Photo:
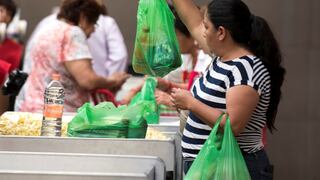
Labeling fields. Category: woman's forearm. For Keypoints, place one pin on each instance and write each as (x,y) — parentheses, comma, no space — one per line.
(189,13)
(206,113)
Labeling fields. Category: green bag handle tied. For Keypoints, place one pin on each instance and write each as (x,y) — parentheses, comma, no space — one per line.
(220,157)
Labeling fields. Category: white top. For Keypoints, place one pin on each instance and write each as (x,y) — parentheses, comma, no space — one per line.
(176,75)
(108,48)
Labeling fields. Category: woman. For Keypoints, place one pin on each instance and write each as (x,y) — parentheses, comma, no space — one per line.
(244,81)
(61,47)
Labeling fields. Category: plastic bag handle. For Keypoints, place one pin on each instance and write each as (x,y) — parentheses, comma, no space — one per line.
(217,124)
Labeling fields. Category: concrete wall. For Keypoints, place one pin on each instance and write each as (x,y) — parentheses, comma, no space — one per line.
(295,147)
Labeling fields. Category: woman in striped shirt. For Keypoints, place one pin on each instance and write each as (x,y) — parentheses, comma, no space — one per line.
(244,81)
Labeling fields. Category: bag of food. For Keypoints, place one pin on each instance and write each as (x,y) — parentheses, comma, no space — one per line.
(146,96)
(107,121)
(156,51)
(219,158)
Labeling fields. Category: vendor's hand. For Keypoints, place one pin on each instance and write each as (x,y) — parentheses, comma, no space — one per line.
(182,99)
(163,98)
(117,80)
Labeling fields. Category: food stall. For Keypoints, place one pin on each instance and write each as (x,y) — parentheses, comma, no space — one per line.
(162,141)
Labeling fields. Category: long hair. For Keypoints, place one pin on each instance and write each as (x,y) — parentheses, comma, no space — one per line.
(253,33)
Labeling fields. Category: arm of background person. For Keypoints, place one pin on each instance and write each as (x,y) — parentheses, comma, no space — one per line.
(83,73)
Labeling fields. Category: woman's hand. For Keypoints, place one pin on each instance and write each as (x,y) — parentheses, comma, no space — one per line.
(163,98)
(182,99)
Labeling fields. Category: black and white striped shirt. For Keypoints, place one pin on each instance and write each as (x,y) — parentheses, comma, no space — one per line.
(211,89)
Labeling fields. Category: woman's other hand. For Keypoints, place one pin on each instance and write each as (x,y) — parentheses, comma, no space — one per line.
(182,99)
(163,98)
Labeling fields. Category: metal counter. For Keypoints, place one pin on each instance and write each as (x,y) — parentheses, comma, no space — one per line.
(164,149)
(34,166)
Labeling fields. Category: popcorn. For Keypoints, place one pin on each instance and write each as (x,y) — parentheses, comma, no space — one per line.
(24,124)
(154,134)
(29,124)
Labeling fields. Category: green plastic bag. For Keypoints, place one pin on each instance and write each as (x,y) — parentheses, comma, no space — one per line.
(107,121)
(146,96)
(220,158)
(156,51)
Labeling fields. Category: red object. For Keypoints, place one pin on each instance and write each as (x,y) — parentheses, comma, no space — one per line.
(103,95)
(4,71)
(192,77)
(11,52)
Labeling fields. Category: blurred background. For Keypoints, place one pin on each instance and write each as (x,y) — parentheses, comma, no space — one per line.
(294,148)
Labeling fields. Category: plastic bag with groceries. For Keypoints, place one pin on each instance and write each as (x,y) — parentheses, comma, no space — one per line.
(156,51)
(220,157)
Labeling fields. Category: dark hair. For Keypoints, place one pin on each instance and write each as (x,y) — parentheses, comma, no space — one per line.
(72,9)
(178,24)
(10,6)
(254,33)
(104,9)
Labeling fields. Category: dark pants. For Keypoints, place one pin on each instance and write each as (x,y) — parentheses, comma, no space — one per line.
(258,165)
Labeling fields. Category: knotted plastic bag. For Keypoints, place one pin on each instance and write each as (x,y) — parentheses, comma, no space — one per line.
(147,97)
(220,158)
(156,51)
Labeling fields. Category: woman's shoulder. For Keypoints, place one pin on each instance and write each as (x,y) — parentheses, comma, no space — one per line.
(106,20)
(74,31)
(245,63)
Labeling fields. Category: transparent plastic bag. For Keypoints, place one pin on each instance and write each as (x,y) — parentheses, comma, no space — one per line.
(146,96)
(156,51)
(107,121)
(220,157)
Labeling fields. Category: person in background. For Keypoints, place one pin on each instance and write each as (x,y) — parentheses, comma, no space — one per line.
(109,53)
(61,47)
(4,72)
(244,80)
(10,51)
(107,46)
(8,9)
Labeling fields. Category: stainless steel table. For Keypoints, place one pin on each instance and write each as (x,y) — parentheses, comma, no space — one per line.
(54,166)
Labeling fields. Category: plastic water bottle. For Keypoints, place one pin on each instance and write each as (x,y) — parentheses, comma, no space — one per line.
(53,108)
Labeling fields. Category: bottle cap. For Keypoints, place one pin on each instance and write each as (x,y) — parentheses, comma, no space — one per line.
(56,77)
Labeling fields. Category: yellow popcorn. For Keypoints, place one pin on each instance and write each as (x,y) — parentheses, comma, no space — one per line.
(29,124)
(24,124)
(154,134)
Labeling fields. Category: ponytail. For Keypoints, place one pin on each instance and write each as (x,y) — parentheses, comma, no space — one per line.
(264,45)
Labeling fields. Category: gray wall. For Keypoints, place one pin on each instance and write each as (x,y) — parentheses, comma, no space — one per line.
(295,147)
